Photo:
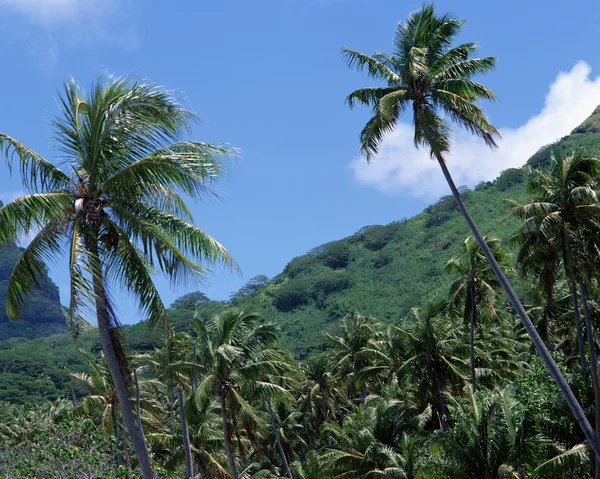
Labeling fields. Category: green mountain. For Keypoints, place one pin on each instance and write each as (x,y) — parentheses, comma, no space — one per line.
(386,270)
(43,313)
(382,271)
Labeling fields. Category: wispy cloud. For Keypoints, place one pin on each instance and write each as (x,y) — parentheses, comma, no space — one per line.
(401,169)
(50,25)
(52,12)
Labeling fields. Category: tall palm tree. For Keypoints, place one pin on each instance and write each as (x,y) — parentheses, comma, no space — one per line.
(475,286)
(563,212)
(115,208)
(354,355)
(241,364)
(428,73)
(434,355)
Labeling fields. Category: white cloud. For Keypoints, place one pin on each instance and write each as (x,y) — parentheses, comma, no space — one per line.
(58,11)
(50,25)
(401,169)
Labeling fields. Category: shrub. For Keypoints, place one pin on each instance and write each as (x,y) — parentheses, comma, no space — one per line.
(441,211)
(508,178)
(329,283)
(292,295)
(383,259)
(376,238)
(336,256)
(299,265)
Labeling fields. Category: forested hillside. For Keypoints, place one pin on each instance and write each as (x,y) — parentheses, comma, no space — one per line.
(382,271)
(386,270)
(42,315)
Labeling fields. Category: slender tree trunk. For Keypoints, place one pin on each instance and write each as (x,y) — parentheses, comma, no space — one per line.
(189,464)
(73,399)
(171,409)
(578,325)
(472,334)
(138,408)
(313,426)
(594,365)
(234,473)
(125,448)
(195,373)
(112,362)
(201,469)
(325,393)
(443,412)
(520,310)
(113,412)
(286,466)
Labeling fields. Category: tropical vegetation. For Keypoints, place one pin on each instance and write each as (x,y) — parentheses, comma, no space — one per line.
(402,351)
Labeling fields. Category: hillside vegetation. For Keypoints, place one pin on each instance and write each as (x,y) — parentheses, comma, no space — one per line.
(382,271)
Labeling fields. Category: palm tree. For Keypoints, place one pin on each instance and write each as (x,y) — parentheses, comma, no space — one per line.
(363,452)
(474,287)
(434,355)
(563,212)
(239,356)
(425,71)
(115,208)
(494,437)
(354,355)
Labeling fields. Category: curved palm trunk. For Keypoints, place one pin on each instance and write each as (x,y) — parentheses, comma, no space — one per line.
(472,335)
(234,473)
(578,325)
(286,466)
(189,464)
(594,365)
(112,362)
(520,310)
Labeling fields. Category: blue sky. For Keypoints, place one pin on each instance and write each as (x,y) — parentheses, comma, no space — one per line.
(267,76)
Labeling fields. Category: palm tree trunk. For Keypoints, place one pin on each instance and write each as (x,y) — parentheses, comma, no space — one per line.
(195,373)
(201,469)
(443,412)
(313,426)
(578,325)
(137,402)
(171,409)
(125,448)
(594,365)
(520,310)
(325,394)
(472,335)
(189,465)
(234,473)
(73,399)
(286,466)
(112,362)
(113,412)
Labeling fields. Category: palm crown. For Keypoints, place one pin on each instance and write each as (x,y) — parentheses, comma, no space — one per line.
(425,71)
(125,169)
